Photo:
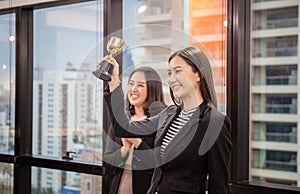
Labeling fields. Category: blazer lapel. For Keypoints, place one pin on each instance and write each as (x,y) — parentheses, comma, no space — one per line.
(183,138)
(162,130)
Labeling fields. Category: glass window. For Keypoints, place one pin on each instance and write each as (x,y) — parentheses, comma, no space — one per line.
(7,83)
(207,27)
(274,92)
(159,27)
(55,181)
(6,178)
(275,75)
(276,18)
(274,131)
(67,108)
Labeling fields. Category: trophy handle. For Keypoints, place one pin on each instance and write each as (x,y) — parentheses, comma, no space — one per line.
(104,71)
(114,46)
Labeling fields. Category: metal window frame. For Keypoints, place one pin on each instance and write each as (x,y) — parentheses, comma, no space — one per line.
(238,91)
(238,80)
(23,159)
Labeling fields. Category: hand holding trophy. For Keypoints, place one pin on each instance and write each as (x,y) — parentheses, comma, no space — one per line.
(114,46)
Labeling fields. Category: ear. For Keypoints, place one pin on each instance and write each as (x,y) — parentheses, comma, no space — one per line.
(198,77)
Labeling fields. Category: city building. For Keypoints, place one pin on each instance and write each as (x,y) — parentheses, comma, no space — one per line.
(275,91)
(52,115)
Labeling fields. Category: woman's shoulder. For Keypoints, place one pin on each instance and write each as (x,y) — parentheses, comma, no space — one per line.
(216,115)
(162,110)
(170,109)
(156,107)
(221,118)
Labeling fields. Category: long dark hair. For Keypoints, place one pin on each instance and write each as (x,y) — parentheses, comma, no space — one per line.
(154,92)
(199,63)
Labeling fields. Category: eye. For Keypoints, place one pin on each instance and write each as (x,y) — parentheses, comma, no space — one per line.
(169,73)
(177,70)
(131,83)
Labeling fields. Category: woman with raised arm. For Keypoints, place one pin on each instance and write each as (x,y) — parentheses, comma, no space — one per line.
(192,142)
(144,90)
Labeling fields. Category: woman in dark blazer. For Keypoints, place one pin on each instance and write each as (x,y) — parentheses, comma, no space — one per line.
(144,88)
(192,142)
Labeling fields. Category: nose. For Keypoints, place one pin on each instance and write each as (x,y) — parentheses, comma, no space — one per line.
(134,87)
(171,78)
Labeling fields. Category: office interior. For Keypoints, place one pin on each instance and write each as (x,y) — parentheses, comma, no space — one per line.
(52,114)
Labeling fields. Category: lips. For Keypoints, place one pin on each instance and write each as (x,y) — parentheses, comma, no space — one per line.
(175,87)
(134,96)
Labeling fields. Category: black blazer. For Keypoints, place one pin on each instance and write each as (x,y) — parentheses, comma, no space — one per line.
(141,175)
(202,147)
(141,179)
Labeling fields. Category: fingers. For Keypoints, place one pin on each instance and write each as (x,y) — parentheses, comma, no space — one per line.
(135,141)
(109,59)
(132,140)
(126,143)
(99,62)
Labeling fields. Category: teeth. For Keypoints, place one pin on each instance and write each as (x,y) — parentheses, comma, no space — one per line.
(134,96)
(175,87)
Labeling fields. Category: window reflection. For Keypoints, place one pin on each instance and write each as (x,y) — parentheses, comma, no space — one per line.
(158,27)
(67,103)
(274,131)
(275,103)
(275,75)
(61,182)
(207,26)
(6,178)
(276,47)
(7,83)
(276,18)
(274,120)
(275,160)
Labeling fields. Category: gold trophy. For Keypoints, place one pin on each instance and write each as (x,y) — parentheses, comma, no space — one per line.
(114,46)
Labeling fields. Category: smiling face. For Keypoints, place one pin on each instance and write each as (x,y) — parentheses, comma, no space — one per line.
(183,81)
(137,89)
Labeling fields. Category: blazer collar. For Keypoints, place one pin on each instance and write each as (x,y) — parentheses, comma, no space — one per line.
(162,129)
(184,136)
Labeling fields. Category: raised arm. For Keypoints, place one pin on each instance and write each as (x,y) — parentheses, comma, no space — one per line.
(114,98)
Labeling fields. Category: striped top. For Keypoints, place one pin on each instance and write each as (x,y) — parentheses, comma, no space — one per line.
(175,127)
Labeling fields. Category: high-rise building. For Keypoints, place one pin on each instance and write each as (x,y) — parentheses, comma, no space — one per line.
(164,28)
(207,29)
(274,117)
(158,31)
(64,119)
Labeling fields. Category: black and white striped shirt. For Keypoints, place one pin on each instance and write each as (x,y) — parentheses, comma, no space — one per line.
(175,127)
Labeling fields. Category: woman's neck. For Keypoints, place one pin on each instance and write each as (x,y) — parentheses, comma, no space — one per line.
(192,102)
(139,113)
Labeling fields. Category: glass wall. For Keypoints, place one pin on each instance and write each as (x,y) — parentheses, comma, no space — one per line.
(7,83)
(67,109)
(6,178)
(66,114)
(65,182)
(274,92)
(156,28)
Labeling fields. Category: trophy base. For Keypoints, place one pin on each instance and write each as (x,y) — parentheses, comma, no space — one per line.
(102,75)
(104,72)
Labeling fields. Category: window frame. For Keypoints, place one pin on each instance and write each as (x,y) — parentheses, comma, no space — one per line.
(238,90)
(238,79)
(22,158)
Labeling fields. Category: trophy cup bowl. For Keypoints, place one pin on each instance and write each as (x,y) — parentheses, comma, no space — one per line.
(114,46)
